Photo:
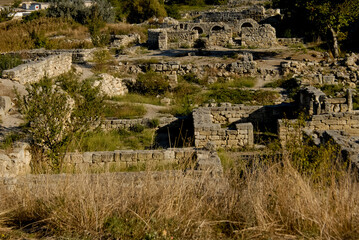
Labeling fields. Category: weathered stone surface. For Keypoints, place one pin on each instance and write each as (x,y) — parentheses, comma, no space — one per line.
(111,86)
(5,105)
(51,66)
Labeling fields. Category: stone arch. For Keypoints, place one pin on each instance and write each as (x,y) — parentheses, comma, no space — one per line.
(248,22)
(199,29)
(217,28)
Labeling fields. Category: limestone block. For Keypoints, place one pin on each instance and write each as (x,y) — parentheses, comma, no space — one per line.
(5,104)
(87,157)
(144,155)
(158,155)
(169,154)
(128,156)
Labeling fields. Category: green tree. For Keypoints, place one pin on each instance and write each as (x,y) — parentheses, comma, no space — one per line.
(56,113)
(333,16)
(142,10)
(321,17)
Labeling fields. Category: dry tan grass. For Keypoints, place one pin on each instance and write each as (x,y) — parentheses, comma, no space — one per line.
(268,201)
(16,35)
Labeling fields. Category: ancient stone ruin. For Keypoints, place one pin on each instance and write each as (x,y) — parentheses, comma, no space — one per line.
(219,29)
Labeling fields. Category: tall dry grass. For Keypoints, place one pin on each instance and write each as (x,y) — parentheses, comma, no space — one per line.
(16,35)
(271,200)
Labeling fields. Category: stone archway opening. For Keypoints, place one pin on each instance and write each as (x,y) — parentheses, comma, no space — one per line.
(199,30)
(247,24)
(217,29)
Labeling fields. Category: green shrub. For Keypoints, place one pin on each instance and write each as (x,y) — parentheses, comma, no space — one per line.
(8,61)
(153,123)
(55,113)
(191,78)
(137,128)
(151,83)
(332,89)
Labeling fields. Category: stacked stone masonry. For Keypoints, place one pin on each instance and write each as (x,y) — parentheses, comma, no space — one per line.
(207,126)
(51,66)
(114,124)
(123,159)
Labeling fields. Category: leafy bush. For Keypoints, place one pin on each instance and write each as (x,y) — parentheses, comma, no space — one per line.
(8,61)
(137,128)
(332,89)
(151,83)
(55,113)
(191,78)
(153,123)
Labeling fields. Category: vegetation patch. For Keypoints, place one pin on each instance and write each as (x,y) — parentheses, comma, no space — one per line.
(123,111)
(137,139)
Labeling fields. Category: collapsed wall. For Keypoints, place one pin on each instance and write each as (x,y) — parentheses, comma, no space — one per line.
(51,66)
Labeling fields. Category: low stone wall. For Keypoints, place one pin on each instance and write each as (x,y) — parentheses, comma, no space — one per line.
(227,115)
(51,66)
(124,159)
(79,56)
(119,41)
(345,122)
(207,127)
(348,122)
(114,124)
(290,41)
(245,65)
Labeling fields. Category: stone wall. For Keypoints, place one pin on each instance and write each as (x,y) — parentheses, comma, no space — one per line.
(78,55)
(51,66)
(124,159)
(244,65)
(15,162)
(325,70)
(315,102)
(114,124)
(207,126)
(258,13)
(290,41)
(181,38)
(263,36)
(119,41)
(345,122)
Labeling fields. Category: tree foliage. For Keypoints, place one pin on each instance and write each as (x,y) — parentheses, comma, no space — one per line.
(56,112)
(326,18)
(76,10)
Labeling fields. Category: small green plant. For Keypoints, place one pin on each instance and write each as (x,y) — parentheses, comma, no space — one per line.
(151,84)
(153,123)
(137,128)
(9,140)
(8,61)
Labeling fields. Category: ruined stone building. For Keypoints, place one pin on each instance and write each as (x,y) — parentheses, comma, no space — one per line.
(225,28)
